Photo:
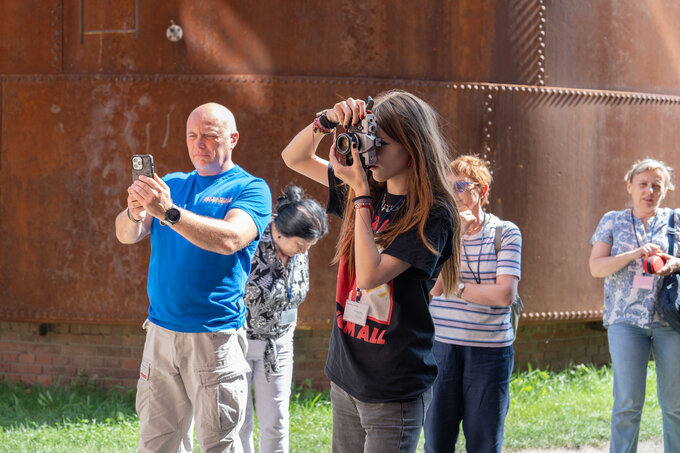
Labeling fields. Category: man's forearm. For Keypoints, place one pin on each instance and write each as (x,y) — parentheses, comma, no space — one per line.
(215,235)
(129,232)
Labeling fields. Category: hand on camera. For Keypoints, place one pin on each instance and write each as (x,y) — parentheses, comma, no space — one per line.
(354,175)
(347,112)
(152,194)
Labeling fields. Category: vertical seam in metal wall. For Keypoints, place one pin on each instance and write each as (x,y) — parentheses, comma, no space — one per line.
(542,22)
(488,124)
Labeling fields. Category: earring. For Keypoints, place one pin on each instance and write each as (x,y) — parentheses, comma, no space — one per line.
(409,163)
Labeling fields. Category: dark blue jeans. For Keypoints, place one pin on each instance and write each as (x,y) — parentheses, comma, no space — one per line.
(473,387)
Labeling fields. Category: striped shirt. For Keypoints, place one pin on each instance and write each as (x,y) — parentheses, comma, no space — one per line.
(461,322)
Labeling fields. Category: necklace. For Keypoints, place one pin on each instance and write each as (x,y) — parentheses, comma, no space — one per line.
(387,207)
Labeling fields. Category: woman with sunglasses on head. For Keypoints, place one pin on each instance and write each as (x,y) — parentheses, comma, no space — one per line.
(278,283)
(397,234)
(633,321)
(473,332)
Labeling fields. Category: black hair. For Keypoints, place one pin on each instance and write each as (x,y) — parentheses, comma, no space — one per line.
(299,216)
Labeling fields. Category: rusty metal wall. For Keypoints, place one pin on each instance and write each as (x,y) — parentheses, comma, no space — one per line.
(561,98)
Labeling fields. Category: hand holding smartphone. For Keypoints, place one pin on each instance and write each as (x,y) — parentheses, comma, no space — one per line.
(142,164)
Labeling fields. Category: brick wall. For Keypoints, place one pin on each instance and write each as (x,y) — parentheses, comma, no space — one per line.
(311,349)
(44,353)
(556,345)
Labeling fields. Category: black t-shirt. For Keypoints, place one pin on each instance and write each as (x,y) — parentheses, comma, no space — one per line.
(390,358)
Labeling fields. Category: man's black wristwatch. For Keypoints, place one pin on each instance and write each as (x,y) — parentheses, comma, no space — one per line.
(172,216)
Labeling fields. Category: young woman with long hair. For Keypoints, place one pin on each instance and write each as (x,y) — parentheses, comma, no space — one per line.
(399,230)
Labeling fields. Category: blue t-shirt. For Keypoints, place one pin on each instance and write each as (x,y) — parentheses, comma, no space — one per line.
(191,289)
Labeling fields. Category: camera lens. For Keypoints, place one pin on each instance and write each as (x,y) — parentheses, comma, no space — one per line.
(137,163)
(343,143)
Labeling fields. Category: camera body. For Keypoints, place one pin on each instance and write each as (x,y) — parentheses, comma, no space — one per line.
(363,137)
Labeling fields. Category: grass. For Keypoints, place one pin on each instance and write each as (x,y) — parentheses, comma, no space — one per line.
(79,418)
(548,409)
(570,409)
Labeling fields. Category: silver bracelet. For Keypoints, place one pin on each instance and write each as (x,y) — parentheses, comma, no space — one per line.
(132,218)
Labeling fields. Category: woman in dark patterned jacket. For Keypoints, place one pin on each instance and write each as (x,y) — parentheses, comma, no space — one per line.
(278,283)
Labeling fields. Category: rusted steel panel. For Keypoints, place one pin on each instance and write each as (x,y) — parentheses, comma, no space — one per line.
(559,164)
(614,45)
(558,154)
(61,260)
(558,159)
(431,39)
(30,36)
(611,44)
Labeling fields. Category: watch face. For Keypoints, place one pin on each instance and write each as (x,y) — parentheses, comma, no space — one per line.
(172,214)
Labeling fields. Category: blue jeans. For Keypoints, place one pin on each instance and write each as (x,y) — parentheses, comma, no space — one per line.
(473,387)
(629,348)
(360,427)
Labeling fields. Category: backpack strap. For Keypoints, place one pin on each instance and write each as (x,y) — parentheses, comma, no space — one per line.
(497,239)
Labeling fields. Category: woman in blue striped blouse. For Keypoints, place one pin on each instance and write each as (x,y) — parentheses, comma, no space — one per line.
(473,333)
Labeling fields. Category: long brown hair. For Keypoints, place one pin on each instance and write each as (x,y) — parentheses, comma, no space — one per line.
(414,124)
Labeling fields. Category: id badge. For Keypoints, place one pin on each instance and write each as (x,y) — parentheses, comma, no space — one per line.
(289,316)
(355,312)
(643,282)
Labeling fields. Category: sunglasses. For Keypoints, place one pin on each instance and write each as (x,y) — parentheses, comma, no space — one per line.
(462,186)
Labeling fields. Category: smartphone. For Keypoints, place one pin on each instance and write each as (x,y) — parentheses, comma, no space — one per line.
(142,164)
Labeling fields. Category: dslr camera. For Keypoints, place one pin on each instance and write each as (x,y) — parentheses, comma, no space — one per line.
(362,137)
